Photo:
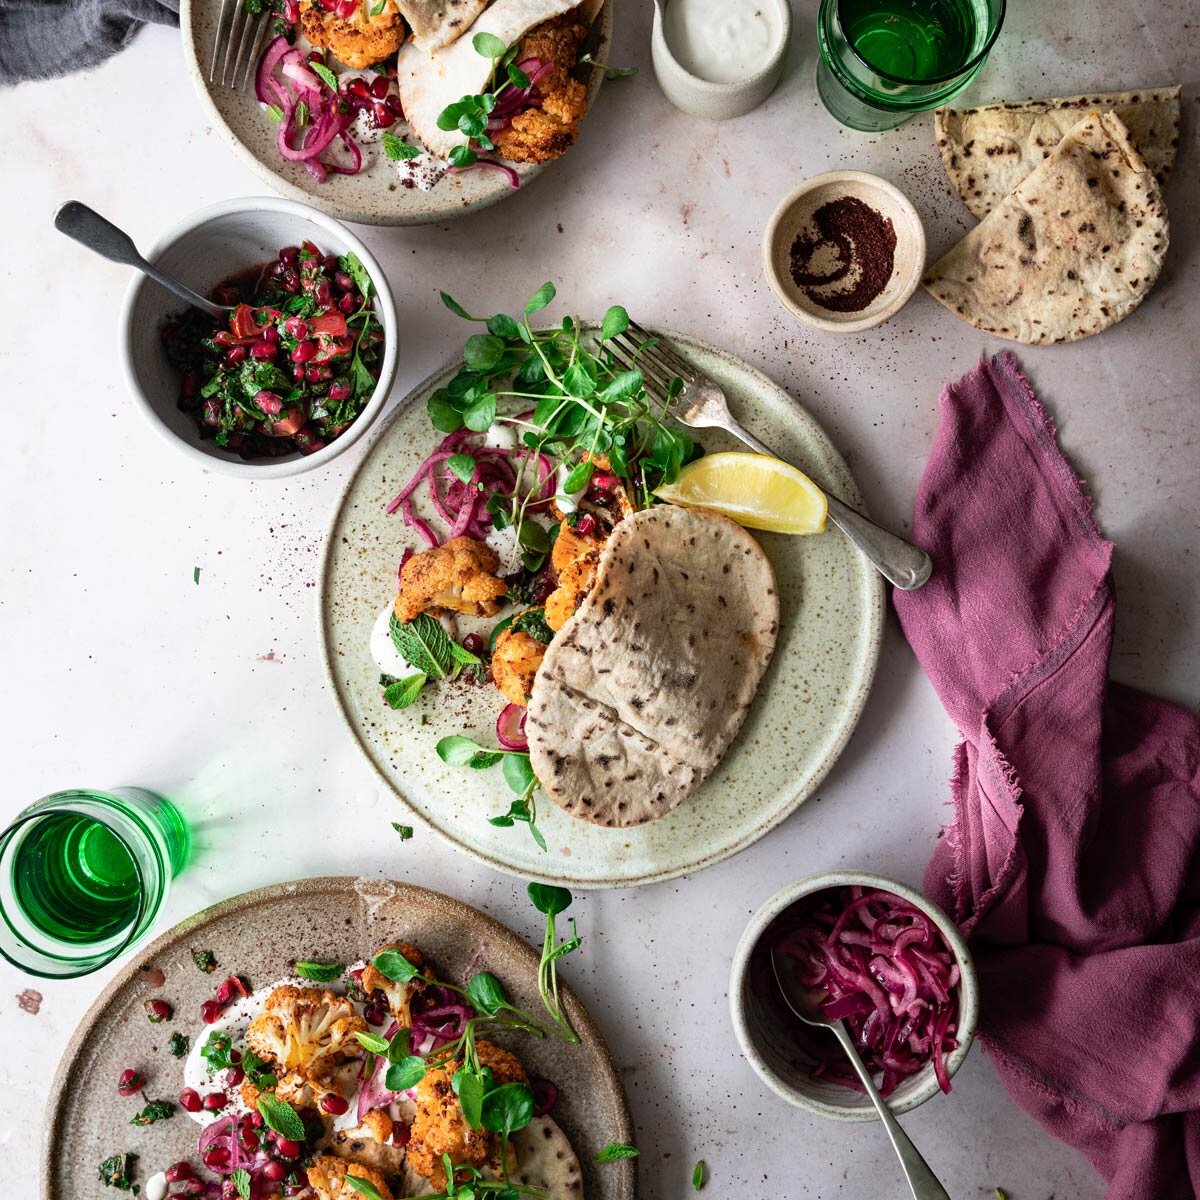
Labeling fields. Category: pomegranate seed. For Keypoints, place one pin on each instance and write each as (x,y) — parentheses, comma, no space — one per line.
(343,281)
(256,1120)
(358,87)
(330,263)
(298,371)
(374,1014)
(229,1190)
(210,1011)
(235,1057)
(294,327)
(379,87)
(286,1148)
(348,303)
(339,391)
(235,355)
(384,117)
(234,1076)
(216,1158)
(308,1114)
(393,102)
(401,1133)
(262,350)
(189,1100)
(473,642)
(269,402)
(289,280)
(334,1104)
(274,1171)
(585,525)
(303,351)
(270,334)
(316,56)
(249,1139)
(215,1101)
(323,294)
(130,1082)
(178,1172)
(310,249)
(192,1187)
(289,254)
(157,1011)
(346,9)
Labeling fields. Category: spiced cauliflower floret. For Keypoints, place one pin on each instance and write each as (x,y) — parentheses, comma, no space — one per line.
(371,33)
(306,1031)
(439,1126)
(291,1086)
(327,1177)
(371,1144)
(400,996)
(459,576)
(516,657)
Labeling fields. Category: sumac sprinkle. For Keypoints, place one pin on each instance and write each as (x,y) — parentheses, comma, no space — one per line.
(850,241)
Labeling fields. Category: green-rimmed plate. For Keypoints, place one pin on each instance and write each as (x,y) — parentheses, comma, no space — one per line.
(831,623)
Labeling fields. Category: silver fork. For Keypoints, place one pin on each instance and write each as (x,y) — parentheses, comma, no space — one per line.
(239,39)
(701,403)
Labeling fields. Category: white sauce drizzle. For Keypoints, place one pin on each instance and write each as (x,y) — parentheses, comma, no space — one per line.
(722,41)
(383,650)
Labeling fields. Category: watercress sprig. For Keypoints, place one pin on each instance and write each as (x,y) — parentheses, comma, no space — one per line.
(553,900)
(470,114)
(458,750)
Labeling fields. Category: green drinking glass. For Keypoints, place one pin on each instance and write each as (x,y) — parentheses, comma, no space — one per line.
(883,61)
(83,874)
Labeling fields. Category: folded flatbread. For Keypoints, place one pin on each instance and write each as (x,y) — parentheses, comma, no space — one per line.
(437,23)
(645,686)
(988,151)
(1074,249)
(428,83)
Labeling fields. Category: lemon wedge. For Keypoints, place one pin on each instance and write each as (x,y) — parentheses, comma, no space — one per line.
(752,489)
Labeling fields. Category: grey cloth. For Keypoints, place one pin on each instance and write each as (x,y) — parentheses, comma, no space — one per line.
(40,39)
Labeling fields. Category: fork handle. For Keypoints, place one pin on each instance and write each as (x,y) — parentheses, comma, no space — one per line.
(899,562)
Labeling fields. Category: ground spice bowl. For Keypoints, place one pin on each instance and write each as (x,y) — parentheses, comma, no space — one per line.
(794,215)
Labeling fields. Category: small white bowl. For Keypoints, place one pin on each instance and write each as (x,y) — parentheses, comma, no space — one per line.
(203,250)
(767,1030)
(719,101)
(795,213)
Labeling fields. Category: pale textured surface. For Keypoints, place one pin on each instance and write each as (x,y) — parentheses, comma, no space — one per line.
(118,668)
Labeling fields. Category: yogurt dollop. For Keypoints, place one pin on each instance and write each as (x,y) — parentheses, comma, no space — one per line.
(722,41)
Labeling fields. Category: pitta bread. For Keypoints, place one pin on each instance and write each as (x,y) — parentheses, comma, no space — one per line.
(988,151)
(428,83)
(1074,249)
(437,23)
(643,689)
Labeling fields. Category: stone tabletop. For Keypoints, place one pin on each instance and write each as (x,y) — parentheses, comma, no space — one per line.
(119,669)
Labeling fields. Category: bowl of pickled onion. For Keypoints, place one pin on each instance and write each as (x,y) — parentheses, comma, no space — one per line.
(888,962)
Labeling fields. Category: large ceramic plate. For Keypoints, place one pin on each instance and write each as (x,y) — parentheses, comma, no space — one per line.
(374,196)
(259,934)
(807,706)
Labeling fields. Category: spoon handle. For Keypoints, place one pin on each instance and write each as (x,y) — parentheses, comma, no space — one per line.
(921,1179)
(90,229)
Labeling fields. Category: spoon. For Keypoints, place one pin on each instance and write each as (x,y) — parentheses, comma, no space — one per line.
(90,229)
(805,1003)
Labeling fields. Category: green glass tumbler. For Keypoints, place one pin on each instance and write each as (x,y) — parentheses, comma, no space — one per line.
(83,875)
(884,61)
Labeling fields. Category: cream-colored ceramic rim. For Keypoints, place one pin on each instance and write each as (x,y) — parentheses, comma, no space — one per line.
(916,254)
(785,898)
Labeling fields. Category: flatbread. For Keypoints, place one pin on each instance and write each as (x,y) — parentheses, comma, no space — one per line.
(546,1160)
(643,689)
(1074,249)
(437,23)
(988,151)
(427,84)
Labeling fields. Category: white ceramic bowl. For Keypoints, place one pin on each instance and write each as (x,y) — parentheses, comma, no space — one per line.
(202,251)
(767,1031)
(795,213)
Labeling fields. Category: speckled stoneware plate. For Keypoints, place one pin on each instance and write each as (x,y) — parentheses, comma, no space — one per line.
(809,701)
(375,195)
(259,934)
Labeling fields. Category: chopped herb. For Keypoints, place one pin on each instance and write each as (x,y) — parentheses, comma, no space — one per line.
(533,622)
(258,1071)
(610,72)
(325,73)
(196,575)
(401,693)
(372,1042)
(216,1051)
(378,8)
(241,1181)
(179,1044)
(155,1110)
(205,960)
(700,1174)
(117,1172)
(405,831)
(280,1116)
(364,1187)
(318,972)
(615,1151)
(397,149)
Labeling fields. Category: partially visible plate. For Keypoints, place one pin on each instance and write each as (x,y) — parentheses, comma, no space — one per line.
(259,934)
(831,625)
(375,195)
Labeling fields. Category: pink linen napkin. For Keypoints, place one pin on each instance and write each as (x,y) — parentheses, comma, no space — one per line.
(1071,858)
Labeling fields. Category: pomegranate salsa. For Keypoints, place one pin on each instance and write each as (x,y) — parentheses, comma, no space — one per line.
(295,363)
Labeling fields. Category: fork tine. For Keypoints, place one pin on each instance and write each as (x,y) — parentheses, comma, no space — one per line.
(628,360)
(235,32)
(640,360)
(666,352)
(251,41)
(223,19)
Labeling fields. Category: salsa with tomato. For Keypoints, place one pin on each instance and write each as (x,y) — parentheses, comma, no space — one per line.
(294,365)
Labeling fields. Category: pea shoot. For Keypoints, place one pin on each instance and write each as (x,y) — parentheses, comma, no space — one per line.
(552,901)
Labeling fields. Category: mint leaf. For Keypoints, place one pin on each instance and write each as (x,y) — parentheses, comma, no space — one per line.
(327,75)
(280,1116)
(372,1042)
(404,692)
(425,644)
(241,1181)
(318,972)
(615,1151)
(397,149)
